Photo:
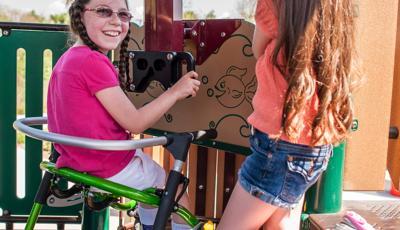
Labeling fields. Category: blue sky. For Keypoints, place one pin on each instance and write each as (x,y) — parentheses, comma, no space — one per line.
(223,8)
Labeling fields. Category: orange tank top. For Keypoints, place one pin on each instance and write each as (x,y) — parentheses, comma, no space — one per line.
(268,101)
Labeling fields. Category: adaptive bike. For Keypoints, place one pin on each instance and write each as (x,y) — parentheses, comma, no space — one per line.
(108,193)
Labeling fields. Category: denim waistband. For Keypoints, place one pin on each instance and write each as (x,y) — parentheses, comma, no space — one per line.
(321,150)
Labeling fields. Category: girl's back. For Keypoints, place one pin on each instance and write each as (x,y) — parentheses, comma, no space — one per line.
(269,99)
(74,110)
(310,61)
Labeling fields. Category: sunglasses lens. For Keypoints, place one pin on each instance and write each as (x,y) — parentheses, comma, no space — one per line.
(124,16)
(104,12)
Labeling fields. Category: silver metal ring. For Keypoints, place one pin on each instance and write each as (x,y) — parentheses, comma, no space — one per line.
(23,125)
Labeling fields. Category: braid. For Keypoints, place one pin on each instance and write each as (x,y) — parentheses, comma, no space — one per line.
(123,64)
(77,27)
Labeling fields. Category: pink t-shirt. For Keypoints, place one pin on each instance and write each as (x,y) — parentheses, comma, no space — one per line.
(73,109)
(269,98)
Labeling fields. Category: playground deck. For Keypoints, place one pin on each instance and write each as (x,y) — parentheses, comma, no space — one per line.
(379,208)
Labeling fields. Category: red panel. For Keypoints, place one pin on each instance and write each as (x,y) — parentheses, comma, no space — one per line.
(163,25)
(165,30)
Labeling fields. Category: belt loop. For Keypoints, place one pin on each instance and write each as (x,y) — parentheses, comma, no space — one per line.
(273,144)
(320,149)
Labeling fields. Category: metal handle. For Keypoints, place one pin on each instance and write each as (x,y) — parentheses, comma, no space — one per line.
(188,57)
(24,124)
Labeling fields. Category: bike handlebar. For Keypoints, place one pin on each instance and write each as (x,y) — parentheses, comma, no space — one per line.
(24,124)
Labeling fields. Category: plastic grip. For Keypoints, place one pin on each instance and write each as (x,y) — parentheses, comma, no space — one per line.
(167,200)
(204,134)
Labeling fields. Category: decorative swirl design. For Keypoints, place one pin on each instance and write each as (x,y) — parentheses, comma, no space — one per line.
(246,49)
(244,129)
(168,117)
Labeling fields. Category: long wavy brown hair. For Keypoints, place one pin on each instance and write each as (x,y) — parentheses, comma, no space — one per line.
(78,29)
(316,38)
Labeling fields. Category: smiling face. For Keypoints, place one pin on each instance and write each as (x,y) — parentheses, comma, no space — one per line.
(106,32)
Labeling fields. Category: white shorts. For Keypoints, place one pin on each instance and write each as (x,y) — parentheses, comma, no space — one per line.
(141,173)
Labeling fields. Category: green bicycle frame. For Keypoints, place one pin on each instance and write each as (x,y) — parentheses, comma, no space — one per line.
(147,196)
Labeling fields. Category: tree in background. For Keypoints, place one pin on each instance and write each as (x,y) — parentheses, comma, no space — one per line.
(211,15)
(190,15)
(32,16)
(14,15)
(3,15)
(9,15)
(246,9)
(59,18)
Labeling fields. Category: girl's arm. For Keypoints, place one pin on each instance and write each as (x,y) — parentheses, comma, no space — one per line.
(260,42)
(137,120)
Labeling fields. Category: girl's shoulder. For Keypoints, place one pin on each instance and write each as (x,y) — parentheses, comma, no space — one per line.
(85,52)
(84,57)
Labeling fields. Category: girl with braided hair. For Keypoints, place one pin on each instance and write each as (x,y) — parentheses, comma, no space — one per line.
(306,71)
(85,99)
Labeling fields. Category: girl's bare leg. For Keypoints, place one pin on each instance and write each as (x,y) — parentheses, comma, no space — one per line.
(245,211)
(284,218)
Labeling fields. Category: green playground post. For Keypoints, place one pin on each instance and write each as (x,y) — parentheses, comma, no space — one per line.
(325,196)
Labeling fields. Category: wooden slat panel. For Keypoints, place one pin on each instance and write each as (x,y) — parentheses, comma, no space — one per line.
(201,184)
(192,172)
(211,182)
(220,183)
(229,176)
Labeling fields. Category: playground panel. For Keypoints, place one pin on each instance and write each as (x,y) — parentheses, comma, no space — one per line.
(34,43)
(366,150)
(393,160)
(224,99)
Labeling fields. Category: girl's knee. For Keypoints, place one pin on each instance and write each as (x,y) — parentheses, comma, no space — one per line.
(282,220)
(274,225)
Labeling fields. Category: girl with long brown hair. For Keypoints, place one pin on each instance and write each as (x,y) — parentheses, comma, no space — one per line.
(306,72)
(85,99)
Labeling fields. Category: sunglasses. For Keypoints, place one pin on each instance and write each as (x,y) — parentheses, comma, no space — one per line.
(106,12)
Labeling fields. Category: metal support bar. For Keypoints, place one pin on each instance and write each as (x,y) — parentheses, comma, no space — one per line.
(42,219)
(32,26)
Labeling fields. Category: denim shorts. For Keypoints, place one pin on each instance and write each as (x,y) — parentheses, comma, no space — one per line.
(279,172)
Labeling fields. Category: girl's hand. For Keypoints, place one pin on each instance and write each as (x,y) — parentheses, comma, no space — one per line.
(188,85)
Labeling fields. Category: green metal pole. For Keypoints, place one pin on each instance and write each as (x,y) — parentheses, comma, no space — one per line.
(30,224)
(95,220)
(325,196)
